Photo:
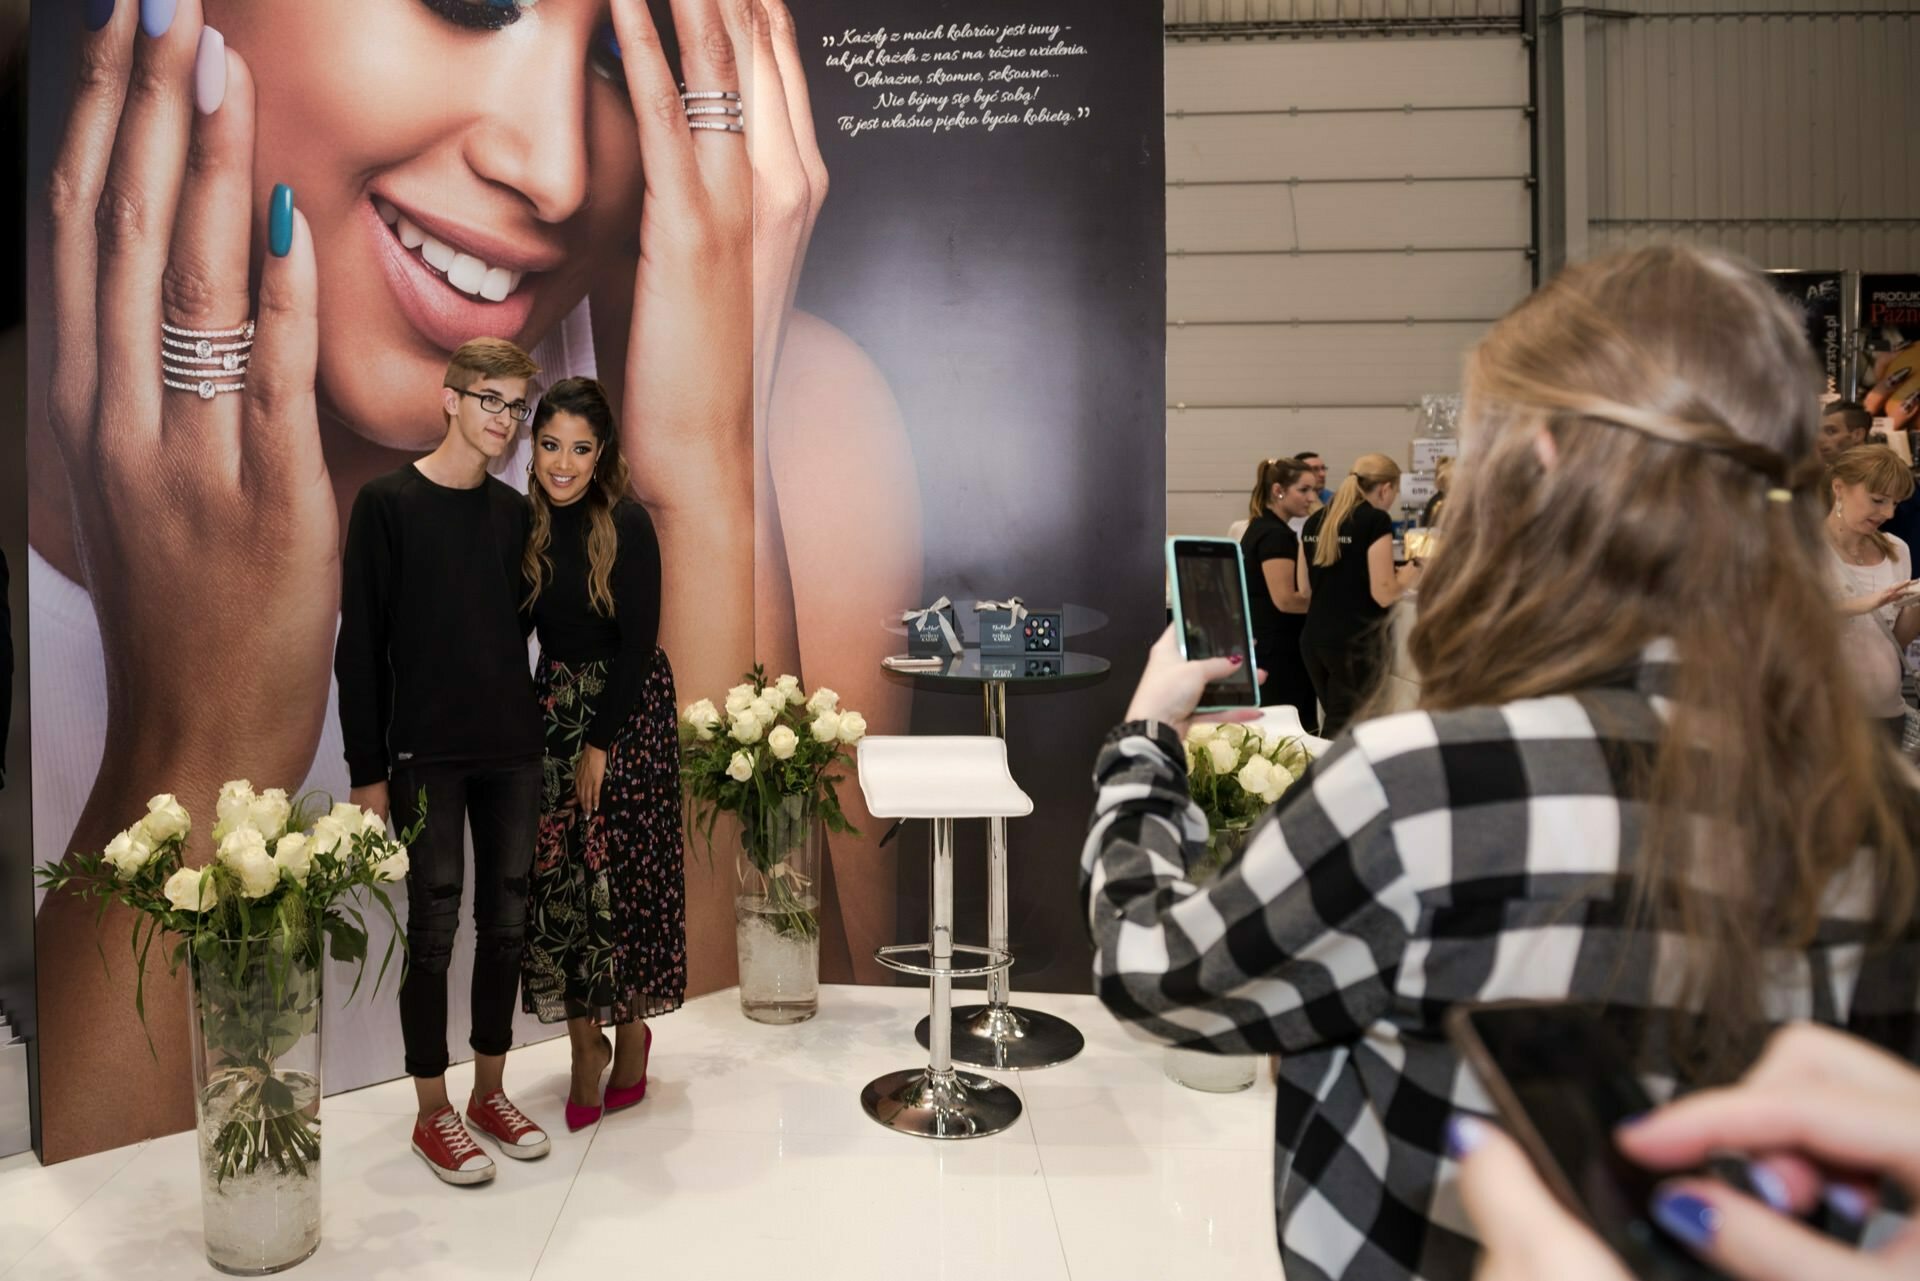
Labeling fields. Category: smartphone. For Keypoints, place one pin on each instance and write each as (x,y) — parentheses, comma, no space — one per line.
(1211,617)
(1562,1083)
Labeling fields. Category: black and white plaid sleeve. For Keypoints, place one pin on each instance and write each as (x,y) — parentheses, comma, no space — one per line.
(1295,945)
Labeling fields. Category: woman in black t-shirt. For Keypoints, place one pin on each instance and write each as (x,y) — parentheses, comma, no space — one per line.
(1283,490)
(1350,582)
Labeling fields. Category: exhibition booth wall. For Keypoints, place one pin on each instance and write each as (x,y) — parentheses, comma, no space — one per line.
(978,334)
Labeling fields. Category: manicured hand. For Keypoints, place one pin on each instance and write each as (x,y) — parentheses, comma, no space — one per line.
(588,774)
(1526,1233)
(1171,687)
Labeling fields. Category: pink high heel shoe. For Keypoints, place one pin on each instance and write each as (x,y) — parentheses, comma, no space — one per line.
(581,1115)
(622,1097)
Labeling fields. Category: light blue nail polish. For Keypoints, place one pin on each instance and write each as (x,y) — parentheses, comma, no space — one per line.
(1687,1218)
(1770,1186)
(280,221)
(156,16)
(1464,1134)
(1849,1203)
(99,14)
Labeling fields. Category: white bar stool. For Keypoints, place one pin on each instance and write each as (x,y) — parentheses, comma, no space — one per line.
(941,779)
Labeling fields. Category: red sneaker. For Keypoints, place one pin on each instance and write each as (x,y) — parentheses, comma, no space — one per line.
(444,1144)
(508,1127)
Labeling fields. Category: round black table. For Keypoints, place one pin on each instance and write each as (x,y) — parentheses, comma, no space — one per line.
(999,1034)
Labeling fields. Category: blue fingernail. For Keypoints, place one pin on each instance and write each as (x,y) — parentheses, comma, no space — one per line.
(1464,1134)
(99,14)
(1848,1202)
(156,16)
(280,221)
(1686,1217)
(1771,1187)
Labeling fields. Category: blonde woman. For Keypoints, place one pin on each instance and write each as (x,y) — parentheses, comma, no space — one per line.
(1872,571)
(1346,571)
(1638,777)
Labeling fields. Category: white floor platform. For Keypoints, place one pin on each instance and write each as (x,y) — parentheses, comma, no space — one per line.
(750,1159)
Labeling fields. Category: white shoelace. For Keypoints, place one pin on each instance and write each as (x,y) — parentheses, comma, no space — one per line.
(460,1143)
(516,1120)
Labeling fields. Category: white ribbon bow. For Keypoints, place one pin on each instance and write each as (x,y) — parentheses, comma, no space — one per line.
(918,618)
(1012,604)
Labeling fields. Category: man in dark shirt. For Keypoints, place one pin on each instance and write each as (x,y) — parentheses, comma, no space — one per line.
(436,700)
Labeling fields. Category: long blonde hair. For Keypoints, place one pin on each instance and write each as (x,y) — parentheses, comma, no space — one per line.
(1637,467)
(1370,471)
(586,399)
(1880,471)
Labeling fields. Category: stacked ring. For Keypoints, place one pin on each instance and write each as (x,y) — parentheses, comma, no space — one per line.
(716,110)
(196,360)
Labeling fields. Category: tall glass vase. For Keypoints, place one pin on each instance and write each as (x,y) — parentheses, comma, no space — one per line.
(256,1069)
(1197,1069)
(776,912)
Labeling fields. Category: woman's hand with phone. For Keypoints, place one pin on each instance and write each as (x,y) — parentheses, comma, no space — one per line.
(1171,687)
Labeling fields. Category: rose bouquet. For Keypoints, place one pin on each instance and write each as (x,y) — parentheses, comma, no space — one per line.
(768,758)
(287,880)
(1233,774)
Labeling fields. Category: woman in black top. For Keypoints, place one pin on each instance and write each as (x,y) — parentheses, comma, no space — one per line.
(606,918)
(1283,490)
(1350,583)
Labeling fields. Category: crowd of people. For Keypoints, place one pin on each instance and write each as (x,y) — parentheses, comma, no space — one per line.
(1646,774)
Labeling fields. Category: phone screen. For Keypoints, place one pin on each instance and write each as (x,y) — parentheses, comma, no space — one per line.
(1210,587)
(1563,1083)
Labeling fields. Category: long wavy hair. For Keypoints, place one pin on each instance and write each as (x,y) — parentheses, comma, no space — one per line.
(586,399)
(1370,471)
(1637,467)
(1272,471)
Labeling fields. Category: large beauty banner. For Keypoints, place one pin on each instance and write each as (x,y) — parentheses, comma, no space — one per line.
(945,378)
(1890,347)
(1816,296)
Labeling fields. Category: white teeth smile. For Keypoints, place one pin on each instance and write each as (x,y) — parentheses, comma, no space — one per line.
(464,272)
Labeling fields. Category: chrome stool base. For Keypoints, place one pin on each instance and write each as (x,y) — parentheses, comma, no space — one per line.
(1005,1038)
(940,1105)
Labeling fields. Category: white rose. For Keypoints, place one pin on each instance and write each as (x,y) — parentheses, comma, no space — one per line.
(740,768)
(826,727)
(1235,734)
(347,816)
(823,700)
(244,852)
(1198,734)
(746,729)
(789,688)
(704,718)
(394,867)
(293,855)
(782,742)
(739,699)
(766,710)
(1188,748)
(269,812)
(189,890)
(328,836)
(166,818)
(1223,755)
(1280,781)
(130,851)
(853,727)
(230,810)
(372,822)
(1256,776)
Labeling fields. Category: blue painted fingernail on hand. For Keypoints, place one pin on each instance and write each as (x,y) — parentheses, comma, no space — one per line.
(1464,1134)
(280,221)
(1687,1217)
(1771,1187)
(156,16)
(99,14)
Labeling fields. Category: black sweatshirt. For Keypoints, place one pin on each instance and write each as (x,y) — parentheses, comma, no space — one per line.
(572,632)
(432,655)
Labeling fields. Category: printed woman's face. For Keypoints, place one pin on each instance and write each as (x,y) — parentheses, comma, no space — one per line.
(462,177)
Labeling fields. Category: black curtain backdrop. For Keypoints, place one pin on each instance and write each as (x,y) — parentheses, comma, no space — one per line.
(1011,286)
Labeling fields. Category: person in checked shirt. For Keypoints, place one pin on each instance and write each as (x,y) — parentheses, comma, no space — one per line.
(1637,777)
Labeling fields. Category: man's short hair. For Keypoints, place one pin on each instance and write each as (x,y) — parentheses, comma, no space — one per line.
(1852,414)
(1307,457)
(479,358)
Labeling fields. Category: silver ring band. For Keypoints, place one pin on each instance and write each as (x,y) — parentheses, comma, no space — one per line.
(206,389)
(204,348)
(708,95)
(238,331)
(232,360)
(715,125)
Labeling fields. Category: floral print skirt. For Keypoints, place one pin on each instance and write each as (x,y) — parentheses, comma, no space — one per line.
(606,912)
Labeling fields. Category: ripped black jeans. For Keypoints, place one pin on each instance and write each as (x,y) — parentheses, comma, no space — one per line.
(502,804)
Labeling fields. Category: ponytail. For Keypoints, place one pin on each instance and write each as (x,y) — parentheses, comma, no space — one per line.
(1272,471)
(1370,471)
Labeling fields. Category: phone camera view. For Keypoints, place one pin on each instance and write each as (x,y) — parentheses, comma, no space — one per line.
(1213,616)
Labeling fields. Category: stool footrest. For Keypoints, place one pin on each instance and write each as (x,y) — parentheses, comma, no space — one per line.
(997,961)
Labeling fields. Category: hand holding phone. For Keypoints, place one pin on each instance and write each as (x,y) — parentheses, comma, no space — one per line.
(1211,618)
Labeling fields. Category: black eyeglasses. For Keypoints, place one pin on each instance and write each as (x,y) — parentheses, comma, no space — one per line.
(518,410)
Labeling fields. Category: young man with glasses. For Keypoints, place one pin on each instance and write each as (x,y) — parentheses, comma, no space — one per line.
(436,700)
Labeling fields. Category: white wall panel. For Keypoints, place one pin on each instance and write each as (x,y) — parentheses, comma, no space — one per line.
(1344,379)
